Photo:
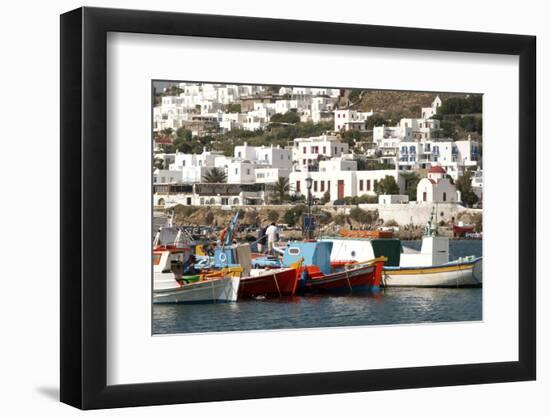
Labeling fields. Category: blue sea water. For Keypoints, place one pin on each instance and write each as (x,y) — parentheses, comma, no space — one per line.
(390,306)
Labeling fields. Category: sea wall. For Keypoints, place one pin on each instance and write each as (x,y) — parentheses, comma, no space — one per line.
(416,213)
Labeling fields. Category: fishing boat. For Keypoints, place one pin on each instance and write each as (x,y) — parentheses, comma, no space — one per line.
(464,272)
(429,267)
(460,229)
(270,282)
(171,286)
(318,276)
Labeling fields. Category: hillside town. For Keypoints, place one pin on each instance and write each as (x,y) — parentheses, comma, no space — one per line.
(400,167)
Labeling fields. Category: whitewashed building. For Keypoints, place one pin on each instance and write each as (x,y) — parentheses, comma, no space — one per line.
(436,188)
(340,183)
(347,119)
(306,152)
(428,112)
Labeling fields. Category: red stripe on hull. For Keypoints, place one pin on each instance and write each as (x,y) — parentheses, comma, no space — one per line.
(276,284)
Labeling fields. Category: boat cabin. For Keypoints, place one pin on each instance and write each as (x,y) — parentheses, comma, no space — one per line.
(312,253)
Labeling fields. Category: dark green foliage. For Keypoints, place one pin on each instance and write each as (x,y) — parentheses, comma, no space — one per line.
(464,185)
(292,215)
(411,182)
(297,198)
(376,120)
(288,117)
(354,95)
(183,133)
(460,105)
(324,217)
(326,197)
(386,186)
(372,165)
(360,215)
(281,189)
(215,175)
(233,108)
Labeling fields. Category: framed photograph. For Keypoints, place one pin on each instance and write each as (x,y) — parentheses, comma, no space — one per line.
(257,208)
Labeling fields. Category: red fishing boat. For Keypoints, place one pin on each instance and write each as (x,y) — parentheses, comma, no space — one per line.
(459,230)
(353,278)
(270,283)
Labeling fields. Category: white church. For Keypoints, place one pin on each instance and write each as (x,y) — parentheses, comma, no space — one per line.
(437,188)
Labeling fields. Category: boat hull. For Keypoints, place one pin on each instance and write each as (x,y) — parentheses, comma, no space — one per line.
(270,283)
(357,280)
(451,275)
(221,290)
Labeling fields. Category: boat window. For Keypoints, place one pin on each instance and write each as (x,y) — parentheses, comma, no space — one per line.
(156,258)
(353,254)
(294,251)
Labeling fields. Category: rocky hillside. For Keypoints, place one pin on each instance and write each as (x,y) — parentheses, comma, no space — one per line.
(398,104)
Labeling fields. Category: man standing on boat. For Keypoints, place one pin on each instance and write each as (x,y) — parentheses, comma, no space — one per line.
(272,233)
(262,239)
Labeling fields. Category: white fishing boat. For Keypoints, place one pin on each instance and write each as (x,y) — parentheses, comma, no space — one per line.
(171,285)
(465,272)
(429,267)
(221,290)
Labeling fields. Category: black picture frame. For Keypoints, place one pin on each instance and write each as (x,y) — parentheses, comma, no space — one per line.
(84,207)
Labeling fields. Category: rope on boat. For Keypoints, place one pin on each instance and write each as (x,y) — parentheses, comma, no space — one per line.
(277,284)
(347,279)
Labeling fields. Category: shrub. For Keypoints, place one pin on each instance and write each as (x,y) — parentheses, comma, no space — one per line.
(293,214)
(340,219)
(272,215)
(326,197)
(391,223)
(367,199)
(324,217)
(360,215)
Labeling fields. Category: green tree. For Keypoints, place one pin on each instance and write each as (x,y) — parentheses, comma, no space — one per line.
(234,108)
(464,185)
(158,163)
(289,117)
(326,197)
(281,189)
(355,94)
(215,175)
(292,215)
(183,133)
(167,132)
(411,182)
(376,120)
(462,105)
(387,185)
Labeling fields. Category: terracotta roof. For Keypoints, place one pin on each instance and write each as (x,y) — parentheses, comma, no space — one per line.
(437,170)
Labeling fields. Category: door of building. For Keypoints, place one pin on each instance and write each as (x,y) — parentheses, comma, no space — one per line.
(340,189)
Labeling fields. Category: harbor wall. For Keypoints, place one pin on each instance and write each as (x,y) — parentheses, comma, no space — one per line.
(417,213)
